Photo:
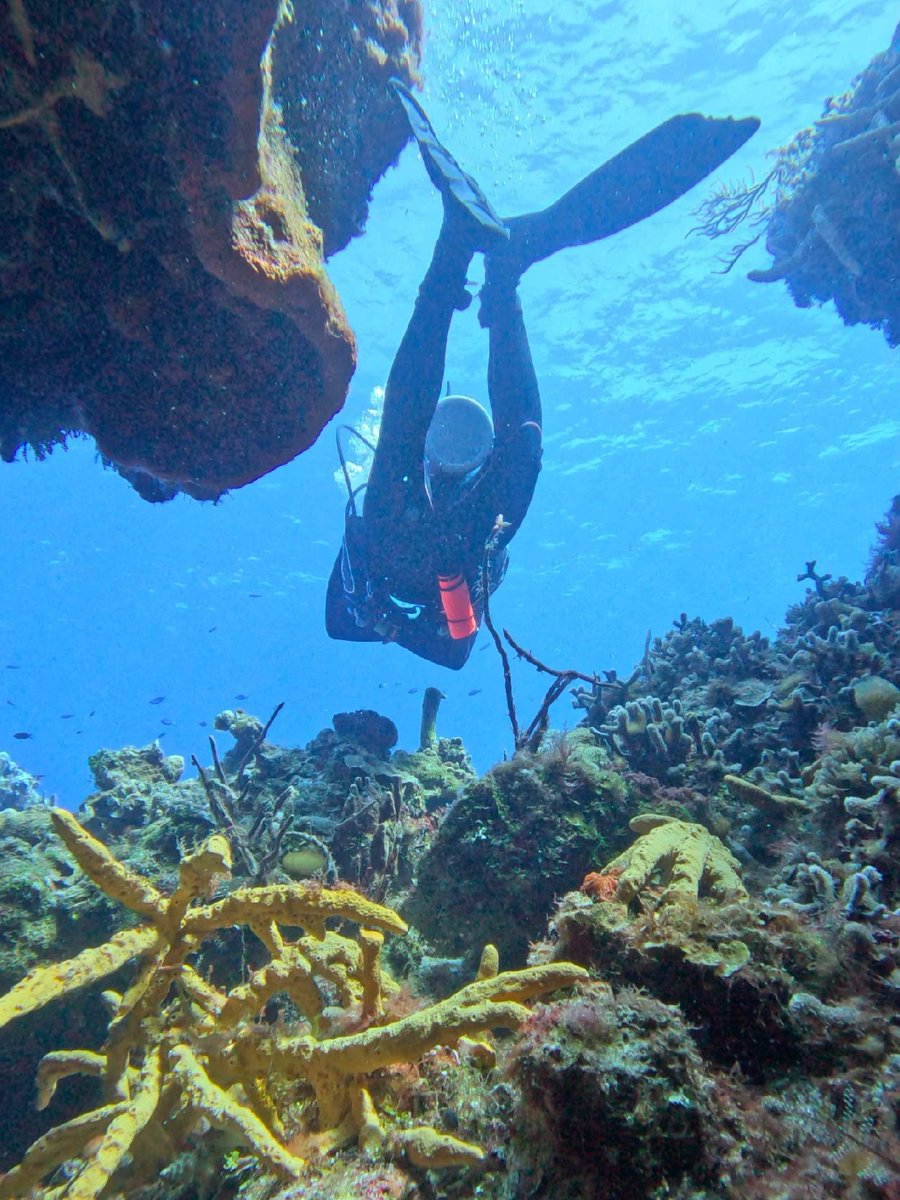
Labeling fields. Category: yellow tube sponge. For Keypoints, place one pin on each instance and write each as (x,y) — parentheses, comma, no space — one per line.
(194,877)
(208,999)
(298,904)
(56,1147)
(687,858)
(427,1148)
(182,1052)
(489,964)
(331,1064)
(44,984)
(116,880)
(248,998)
(222,1111)
(337,959)
(60,1064)
(371,941)
(121,1131)
(370,1135)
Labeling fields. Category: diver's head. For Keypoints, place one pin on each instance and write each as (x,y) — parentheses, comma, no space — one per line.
(459,439)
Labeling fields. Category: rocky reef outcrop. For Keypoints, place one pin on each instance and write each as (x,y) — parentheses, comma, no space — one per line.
(834,232)
(175,176)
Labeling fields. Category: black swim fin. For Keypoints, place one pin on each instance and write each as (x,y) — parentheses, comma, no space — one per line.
(642,179)
(461,194)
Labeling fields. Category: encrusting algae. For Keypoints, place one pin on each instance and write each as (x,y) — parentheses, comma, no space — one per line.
(180,1051)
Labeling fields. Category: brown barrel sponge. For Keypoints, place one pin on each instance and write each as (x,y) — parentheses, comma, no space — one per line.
(176,176)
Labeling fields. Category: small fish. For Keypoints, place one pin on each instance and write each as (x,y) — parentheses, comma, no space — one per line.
(475,692)
(202,724)
(156,700)
(167,721)
(23,736)
(412,691)
(241,696)
(14,666)
(66,716)
(212,629)
(91,713)
(11,703)
(254,595)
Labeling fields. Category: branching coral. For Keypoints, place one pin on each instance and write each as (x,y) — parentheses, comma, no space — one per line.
(181,1051)
(256,826)
(659,739)
(747,202)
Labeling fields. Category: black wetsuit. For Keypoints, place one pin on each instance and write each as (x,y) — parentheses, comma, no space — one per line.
(409,534)
(384,586)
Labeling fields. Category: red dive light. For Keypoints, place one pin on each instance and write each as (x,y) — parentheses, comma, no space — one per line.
(457,606)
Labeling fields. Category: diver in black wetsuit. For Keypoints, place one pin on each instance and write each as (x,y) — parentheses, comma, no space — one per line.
(444,484)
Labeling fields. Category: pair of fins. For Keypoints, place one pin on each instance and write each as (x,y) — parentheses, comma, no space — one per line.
(642,179)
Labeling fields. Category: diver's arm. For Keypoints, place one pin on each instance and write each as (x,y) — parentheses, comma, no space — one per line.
(509,483)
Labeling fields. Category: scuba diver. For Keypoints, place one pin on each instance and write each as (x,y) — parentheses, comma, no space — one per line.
(450,485)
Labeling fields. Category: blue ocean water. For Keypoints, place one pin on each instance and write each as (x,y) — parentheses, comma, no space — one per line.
(703,438)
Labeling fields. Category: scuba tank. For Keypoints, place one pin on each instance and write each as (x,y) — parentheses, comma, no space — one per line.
(457,605)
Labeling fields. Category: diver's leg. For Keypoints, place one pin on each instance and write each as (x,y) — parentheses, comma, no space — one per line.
(642,179)
(515,401)
(414,383)
(512,382)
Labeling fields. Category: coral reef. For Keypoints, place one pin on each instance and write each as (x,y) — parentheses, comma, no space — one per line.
(33,922)
(526,831)
(657,738)
(781,993)
(614,1101)
(738,1038)
(349,812)
(616,1096)
(179,1047)
(752,738)
(365,812)
(179,174)
(18,789)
